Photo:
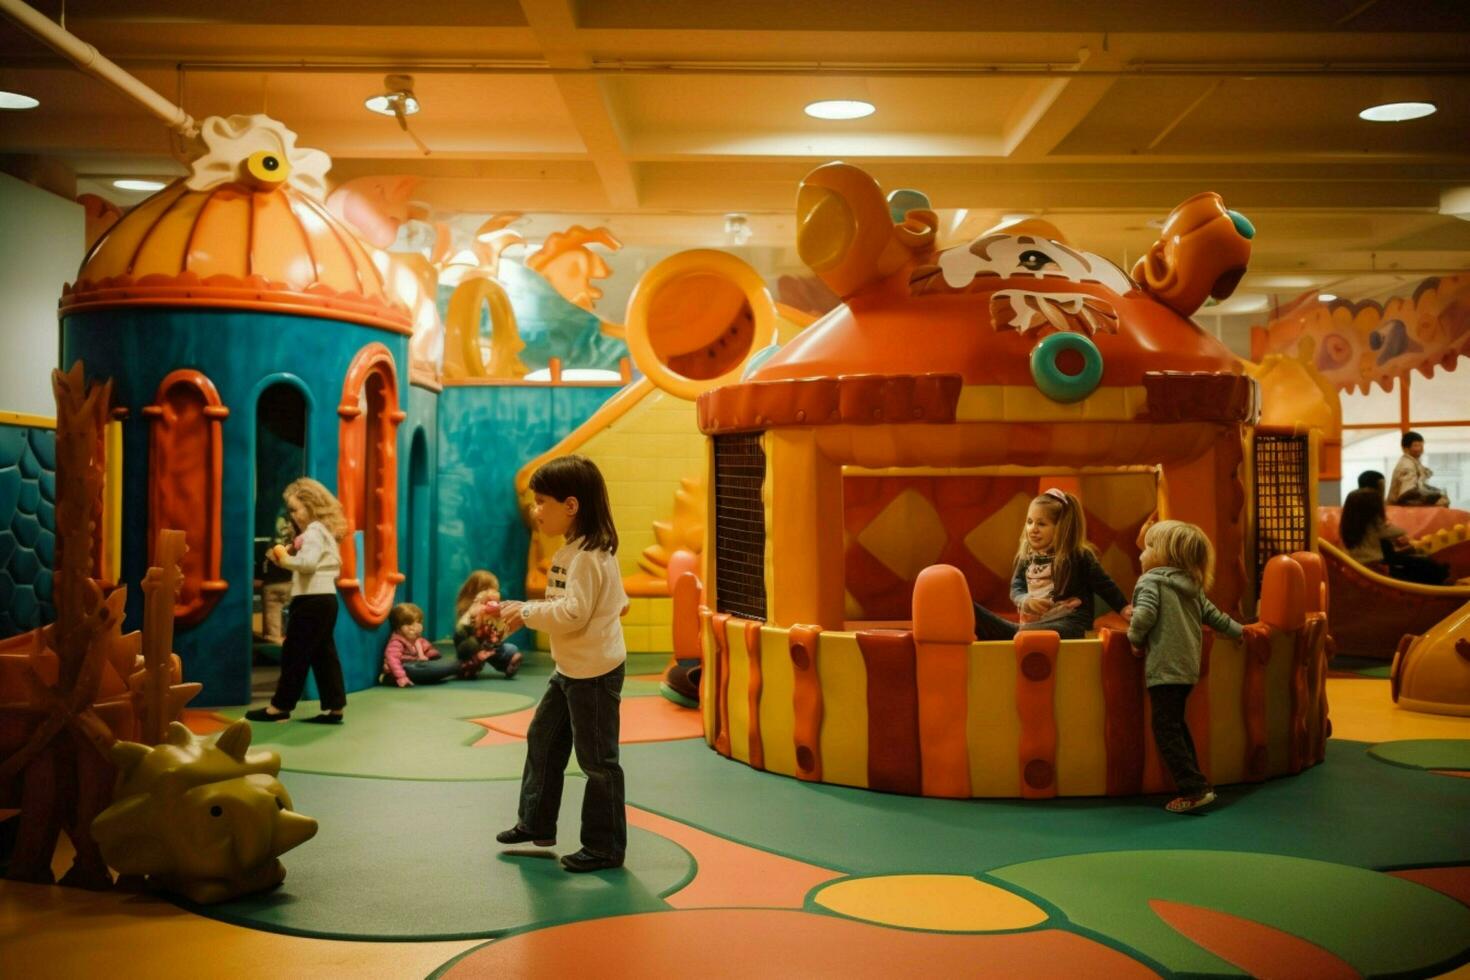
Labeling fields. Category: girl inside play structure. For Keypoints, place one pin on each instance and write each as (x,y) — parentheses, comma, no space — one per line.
(1370,538)
(1169,606)
(315,566)
(479,632)
(582,613)
(1056,575)
(409,659)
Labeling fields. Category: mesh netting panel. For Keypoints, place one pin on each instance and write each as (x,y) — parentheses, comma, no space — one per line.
(1282,497)
(740,525)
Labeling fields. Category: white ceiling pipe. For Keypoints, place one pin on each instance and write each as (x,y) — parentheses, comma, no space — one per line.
(91,61)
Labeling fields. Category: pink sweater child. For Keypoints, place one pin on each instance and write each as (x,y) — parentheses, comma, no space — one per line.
(408,662)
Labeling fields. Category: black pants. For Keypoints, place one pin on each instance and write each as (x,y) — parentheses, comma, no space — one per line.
(1409,567)
(1171,735)
(421,672)
(580,714)
(309,646)
(1070,626)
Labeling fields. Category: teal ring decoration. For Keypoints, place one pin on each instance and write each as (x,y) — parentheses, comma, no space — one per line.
(1055,383)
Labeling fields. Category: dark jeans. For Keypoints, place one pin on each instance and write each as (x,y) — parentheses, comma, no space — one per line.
(309,646)
(1409,567)
(1071,626)
(425,671)
(1171,735)
(580,714)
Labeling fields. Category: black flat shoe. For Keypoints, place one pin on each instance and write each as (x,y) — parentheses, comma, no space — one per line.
(260,714)
(325,718)
(516,835)
(585,860)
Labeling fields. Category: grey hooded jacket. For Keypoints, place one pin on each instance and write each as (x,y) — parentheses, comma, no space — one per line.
(1168,608)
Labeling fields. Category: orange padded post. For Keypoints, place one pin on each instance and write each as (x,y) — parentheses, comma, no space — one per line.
(1316,577)
(806,701)
(1253,698)
(893,711)
(756,748)
(1036,682)
(1124,726)
(722,682)
(685,594)
(1283,594)
(944,627)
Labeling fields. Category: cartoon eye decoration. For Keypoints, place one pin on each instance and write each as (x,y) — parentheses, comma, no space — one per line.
(216,811)
(1034,261)
(266,169)
(1066,367)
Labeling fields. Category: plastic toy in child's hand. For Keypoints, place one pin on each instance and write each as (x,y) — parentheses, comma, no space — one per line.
(278,554)
(486,622)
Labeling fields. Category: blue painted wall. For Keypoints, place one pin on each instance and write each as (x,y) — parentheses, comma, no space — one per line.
(416,537)
(242,353)
(487,433)
(28,534)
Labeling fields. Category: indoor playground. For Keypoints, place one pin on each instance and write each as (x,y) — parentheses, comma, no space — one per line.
(304,306)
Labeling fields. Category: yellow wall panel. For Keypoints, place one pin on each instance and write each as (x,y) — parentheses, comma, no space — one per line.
(1082,757)
(844,710)
(993,727)
(778,729)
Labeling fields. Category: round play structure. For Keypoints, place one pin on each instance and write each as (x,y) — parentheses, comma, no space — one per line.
(868,480)
(250,339)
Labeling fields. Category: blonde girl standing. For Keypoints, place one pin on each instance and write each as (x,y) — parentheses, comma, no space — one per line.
(1169,606)
(313,613)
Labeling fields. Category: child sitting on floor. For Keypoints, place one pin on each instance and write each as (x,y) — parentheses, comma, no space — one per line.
(479,636)
(410,659)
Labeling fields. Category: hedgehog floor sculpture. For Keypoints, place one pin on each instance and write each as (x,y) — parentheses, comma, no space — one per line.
(200,817)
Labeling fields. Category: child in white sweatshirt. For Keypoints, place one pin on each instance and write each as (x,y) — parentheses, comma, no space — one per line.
(579,711)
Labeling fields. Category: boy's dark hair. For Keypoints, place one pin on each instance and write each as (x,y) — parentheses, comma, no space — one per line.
(578,476)
(403,614)
(1360,511)
(1409,439)
(1369,480)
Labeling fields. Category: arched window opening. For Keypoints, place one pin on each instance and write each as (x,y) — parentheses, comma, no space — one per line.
(185,467)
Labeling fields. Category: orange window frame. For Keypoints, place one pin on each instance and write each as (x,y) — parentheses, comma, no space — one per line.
(185,480)
(367,484)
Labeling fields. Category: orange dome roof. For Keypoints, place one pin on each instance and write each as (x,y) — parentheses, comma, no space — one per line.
(239,247)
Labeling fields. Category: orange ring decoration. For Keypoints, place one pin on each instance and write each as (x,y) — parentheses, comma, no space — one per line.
(367,483)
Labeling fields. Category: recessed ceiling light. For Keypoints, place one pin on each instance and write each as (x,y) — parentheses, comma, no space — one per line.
(840,109)
(139,185)
(14,100)
(383,104)
(1398,111)
(1326,297)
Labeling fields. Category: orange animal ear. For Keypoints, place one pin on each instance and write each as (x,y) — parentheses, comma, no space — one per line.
(845,233)
(1203,251)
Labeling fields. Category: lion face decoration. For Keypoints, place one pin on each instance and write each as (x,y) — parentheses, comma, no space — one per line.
(1019,306)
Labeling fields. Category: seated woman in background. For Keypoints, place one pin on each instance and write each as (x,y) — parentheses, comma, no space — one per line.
(1368,537)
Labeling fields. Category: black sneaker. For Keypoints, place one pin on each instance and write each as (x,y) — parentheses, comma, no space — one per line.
(519,835)
(585,860)
(325,718)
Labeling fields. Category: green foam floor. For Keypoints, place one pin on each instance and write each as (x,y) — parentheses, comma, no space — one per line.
(418,860)
(1328,905)
(1425,753)
(1350,810)
(408,733)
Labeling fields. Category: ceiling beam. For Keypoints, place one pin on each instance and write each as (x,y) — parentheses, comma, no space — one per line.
(553,22)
